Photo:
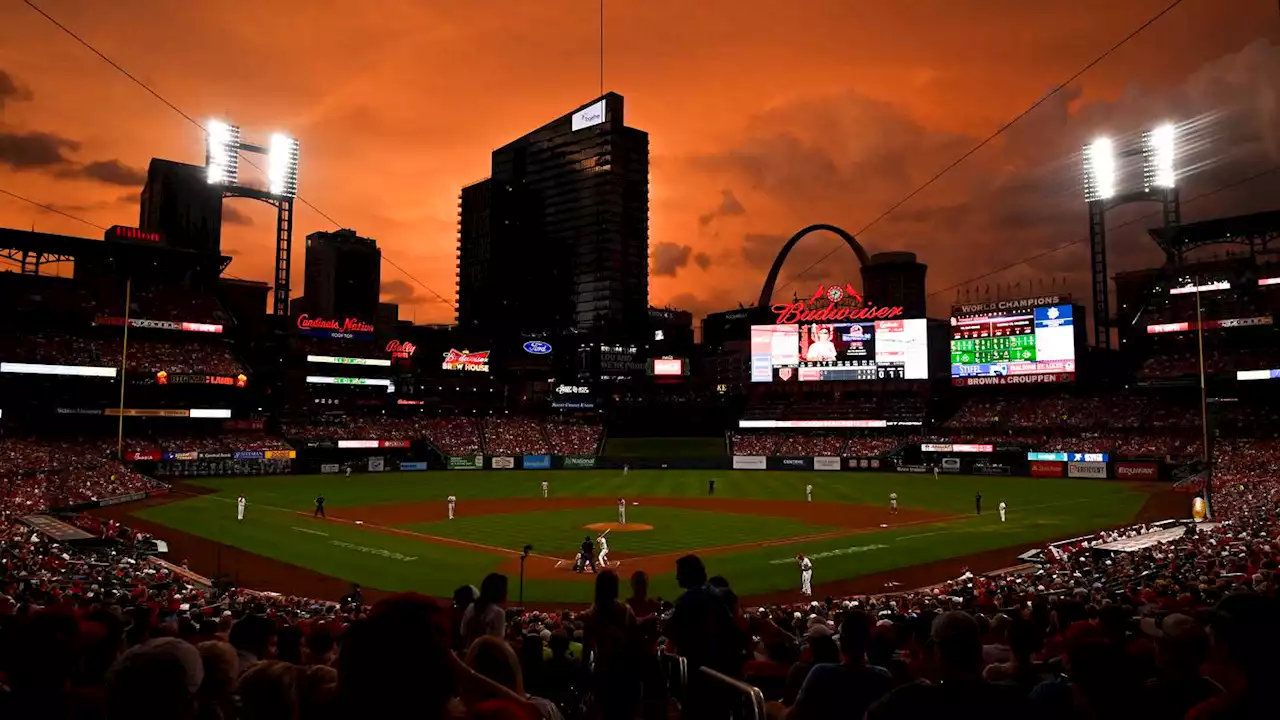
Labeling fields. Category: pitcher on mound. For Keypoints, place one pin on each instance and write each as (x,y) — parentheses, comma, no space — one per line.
(622,511)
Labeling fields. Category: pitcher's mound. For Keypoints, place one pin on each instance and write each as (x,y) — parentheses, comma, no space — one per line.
(619,527)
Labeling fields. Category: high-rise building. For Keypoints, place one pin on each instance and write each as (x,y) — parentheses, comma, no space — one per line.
(896,279)
(180,205)
(343,276)
(557,238)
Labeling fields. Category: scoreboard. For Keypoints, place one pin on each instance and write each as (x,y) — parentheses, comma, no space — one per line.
(1013,343)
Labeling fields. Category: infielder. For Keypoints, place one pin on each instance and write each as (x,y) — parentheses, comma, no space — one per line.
(1003,507)
(453,503)
(977,503)
(240,508)
(893,503)
(604,550)
(806,575)
(625,469)
(935,472)
(545,487)
(622,511)
(808,493)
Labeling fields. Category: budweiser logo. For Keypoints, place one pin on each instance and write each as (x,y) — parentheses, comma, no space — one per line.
(466,360)
(825,306)
(401,349)
(306,322)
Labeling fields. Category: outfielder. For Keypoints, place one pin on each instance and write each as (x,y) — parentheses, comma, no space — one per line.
(622,511)
(545,487)
(240,508)
(808,493)
(806,575)
(625,469)
(893,503)
(348,470)
(453,502)
(935,472)
(604,549)
(1003,508)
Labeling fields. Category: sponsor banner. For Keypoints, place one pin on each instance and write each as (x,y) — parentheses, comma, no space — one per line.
(369,444)
(504,463)
(158,324)
(248,455)
(280,454)
(913,468)
(826,463)
(394,443)
(1138,470)
(329,468)
(951,465)
(1068,457)
(314,444)
(537,462)
(165,378)
(413,466)
(863,463)
(1031,379)
(215,456)
(957,447)
(1046,469)
(580,461)
(142,456)
(1016,304)
(794,463)
(466,462)
(1086,469)
(39,369)
(986,468)
(776,424)
(748,462)
(377,464)
(122,499)
(189,455)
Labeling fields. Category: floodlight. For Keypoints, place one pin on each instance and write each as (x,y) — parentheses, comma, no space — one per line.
(1158,154)
(1099,170)
(282,166)
(222,153)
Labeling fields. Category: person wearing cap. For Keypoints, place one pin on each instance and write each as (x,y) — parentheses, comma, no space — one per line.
(806,575)
(846,689)
(1182,647)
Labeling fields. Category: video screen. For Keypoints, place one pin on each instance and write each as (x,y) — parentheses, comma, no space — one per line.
(1031,345)
(837,352)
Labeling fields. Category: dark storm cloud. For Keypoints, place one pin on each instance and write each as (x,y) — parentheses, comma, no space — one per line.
(728,207)
(11,90)
(112,172)
(232,216)
(35,150)
(399,292)
(702,260)
(669,258)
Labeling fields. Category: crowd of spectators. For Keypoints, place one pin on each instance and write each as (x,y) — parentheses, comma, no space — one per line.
(457,435)
(226,442)
(176,356)
(569,438)
(817,443)
(511,435)
(1121,411)
(36,474)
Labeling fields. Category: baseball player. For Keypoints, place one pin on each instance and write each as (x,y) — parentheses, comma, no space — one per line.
(893,503)
(622,511)
(806,575)
(808,493)
(586,556)
(348,470)
(240,507)
(545,487)
(604,549)
(711,487)
(626,468)
(935,472)
(453,503)
(977,503)
(1003,508)
(319,507)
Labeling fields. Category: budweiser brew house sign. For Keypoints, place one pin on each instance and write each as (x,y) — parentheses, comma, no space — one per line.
(833,303)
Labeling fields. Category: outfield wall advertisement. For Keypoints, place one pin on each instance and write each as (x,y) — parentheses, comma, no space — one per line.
(826,463)
(1046,469)
(504,463)
(863,463)
(1137,471)
(580,461)
(1087,469)
(749,462)
(537,462)
(413,466)
(466,462)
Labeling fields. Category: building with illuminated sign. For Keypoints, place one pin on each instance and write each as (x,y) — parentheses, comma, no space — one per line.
(557,238)
(343,276)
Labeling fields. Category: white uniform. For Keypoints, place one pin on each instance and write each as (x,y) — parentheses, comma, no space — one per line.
(453,501)
(544,489)
(806,576)
(1003,507)
(348,471)
(604,552)
(808,493)
(622,512)
(935,472)
(626,469)
(240,508)
(893,502)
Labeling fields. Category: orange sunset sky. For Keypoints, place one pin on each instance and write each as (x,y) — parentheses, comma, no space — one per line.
(763,117)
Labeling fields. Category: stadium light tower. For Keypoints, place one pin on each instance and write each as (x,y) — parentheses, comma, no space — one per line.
(1102,182)
(223,146)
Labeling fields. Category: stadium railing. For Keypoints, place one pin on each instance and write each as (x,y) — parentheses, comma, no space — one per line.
(753,699)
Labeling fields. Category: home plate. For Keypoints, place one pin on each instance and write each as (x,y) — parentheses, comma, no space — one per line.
(883,525)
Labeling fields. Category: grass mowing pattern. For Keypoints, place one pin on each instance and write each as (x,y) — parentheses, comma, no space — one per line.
(1039,509)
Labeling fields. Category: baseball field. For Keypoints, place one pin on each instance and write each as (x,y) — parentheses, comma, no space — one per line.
(391,532)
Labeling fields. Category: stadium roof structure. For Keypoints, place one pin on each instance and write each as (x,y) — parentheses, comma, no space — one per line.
(31,250)
(1257,230)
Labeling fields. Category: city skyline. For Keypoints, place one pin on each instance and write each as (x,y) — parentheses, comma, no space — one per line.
(762,122)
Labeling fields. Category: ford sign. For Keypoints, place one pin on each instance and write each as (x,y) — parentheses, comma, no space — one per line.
(537,347)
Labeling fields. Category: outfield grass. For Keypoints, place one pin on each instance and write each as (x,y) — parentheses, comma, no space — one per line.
(1039,509)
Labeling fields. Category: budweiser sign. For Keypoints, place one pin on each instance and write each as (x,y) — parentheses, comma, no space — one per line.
(466,360)
(833,304)
(403,350)
(347,325)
